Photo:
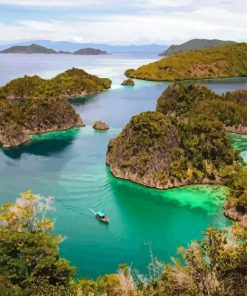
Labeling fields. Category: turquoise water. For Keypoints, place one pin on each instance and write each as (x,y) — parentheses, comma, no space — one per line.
(240,143)
(71,167)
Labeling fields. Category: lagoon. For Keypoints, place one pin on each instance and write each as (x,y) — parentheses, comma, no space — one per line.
(70,166)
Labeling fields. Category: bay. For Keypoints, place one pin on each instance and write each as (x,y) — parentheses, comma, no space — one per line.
(70,166)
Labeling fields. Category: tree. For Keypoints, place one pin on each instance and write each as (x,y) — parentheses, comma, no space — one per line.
(29,260)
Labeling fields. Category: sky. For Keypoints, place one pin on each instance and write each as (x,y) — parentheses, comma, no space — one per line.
(123,21)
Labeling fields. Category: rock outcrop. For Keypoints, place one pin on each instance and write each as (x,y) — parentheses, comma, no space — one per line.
(20,120)
(100,125)
(128,82)
(236,215)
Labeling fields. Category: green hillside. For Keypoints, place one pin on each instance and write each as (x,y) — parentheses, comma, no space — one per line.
(216,62)
(71,83)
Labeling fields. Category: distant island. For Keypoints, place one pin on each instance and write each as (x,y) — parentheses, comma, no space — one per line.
(30,49)
(194,44)
(32,105)
(38,49)
(216,62)
(90,51)
(183,142)
(68,46)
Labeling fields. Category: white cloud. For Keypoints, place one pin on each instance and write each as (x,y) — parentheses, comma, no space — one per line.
(159,21)
(52,3)
(122,29)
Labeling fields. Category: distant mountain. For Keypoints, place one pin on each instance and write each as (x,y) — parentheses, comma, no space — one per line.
(90,51)
(30,49)
(74,46)
(194,44)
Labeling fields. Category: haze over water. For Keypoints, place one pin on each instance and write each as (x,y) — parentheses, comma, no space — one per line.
(71,167)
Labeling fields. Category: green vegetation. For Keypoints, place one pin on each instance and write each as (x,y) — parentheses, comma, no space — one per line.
(162,152)
(143,149)
(30,263)
(224,61)
(72,83)
(20,119)
(32,105)
(184,100)
(194,44)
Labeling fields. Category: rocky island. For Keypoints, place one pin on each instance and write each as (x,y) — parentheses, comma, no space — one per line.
(216,62)
(128,82)
(100,125)
(71,83)
(183,142)
(194,44)
(32,105)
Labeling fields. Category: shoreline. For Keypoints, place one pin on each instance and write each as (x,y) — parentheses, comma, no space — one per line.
(185,79)
(230,213)
(165,188)
(41,133)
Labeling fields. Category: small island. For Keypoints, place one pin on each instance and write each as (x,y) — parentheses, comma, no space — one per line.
(128,82)
(90,51)
(194,44)
(184,142)
(215,62)
(71,83)
(100,125)
(32,105)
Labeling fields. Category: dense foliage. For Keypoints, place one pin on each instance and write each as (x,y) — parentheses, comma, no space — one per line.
(31,105)
(194,44)
(184,100)
(71,83)
(22,118)
(215,62)
(30,263)
(163,152)
(143,149)
(215,266)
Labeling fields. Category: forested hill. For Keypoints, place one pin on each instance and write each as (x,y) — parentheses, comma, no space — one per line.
(217,62)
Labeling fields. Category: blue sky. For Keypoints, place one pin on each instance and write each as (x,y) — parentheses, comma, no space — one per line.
(121,21)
